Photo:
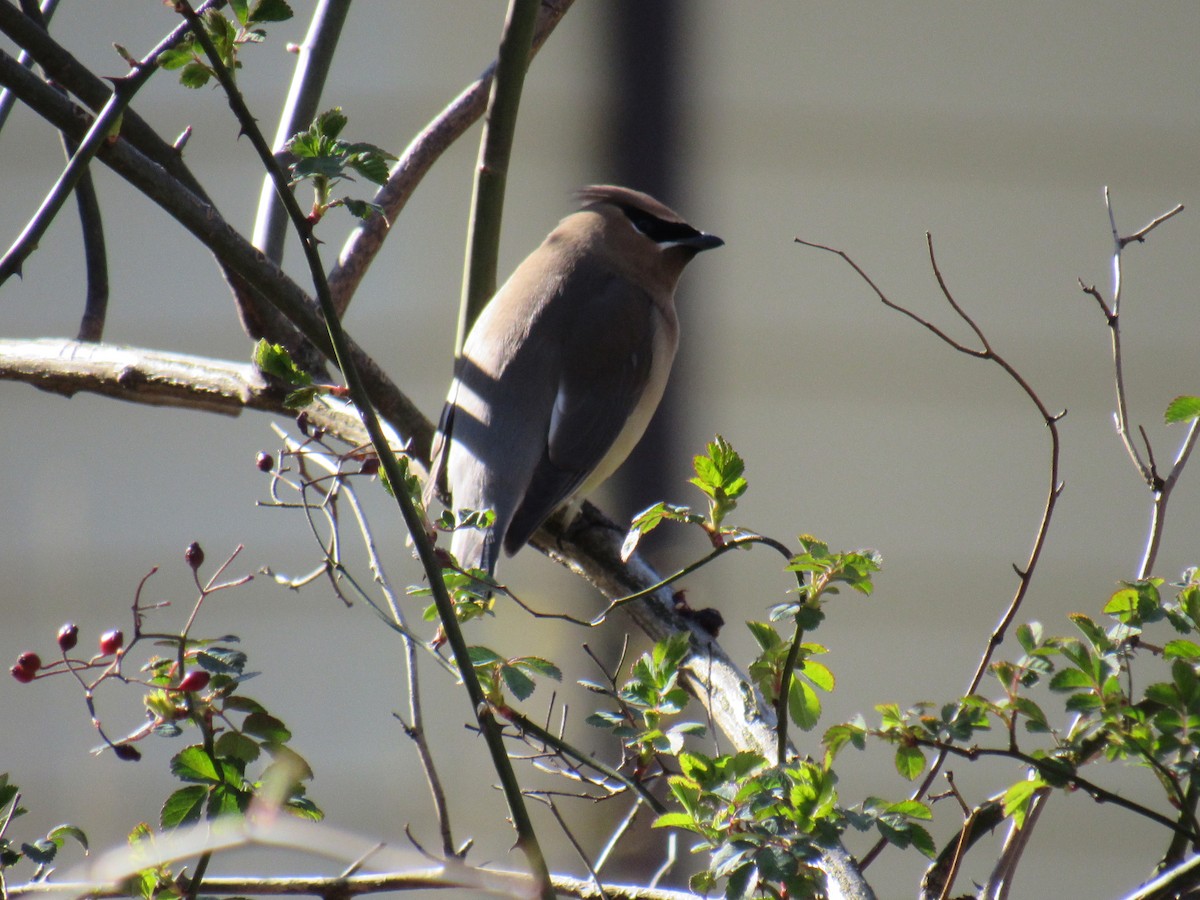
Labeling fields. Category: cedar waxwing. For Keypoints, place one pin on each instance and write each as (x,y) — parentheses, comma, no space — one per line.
(564,367)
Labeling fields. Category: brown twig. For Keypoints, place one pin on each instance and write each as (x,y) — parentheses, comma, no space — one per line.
(1024,575)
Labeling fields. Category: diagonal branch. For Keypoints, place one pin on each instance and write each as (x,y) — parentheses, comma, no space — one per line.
(420,155)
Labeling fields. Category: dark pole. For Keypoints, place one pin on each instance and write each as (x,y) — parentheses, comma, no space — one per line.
(644,151)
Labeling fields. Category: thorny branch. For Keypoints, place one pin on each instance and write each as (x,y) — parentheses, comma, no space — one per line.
(1024,575)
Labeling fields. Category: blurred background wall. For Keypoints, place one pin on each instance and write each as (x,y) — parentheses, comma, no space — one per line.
(994,127)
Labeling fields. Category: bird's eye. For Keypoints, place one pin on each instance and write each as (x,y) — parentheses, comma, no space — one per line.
(659,230)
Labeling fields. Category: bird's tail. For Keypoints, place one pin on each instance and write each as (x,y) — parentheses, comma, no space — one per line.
(476,548)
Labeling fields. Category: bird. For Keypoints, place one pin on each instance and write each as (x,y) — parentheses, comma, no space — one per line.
(563,369)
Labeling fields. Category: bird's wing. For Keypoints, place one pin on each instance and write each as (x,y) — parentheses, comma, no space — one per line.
(605,365)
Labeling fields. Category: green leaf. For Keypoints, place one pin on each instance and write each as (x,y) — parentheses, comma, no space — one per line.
(274,360)
(912,809)
(60,833)
(41,852)
(1181,649)
(301,397)
(1182,409)
(244,704)
(184,807)
(225,800)
(195,75)
(517,681)
(804,706)
(303,808)
(675,820)
(266,727)
(837,736)
(1029,636)
(765,635)
(539,666)
(910,762)
(221,660)
(922,840)
(271,11)
(240,10)
(1067,680)
(194,764)
(178,56)
(361,209)
(1018,798)
(818,673)
(237,746)
(1093,632)
(370,162)
(484,656)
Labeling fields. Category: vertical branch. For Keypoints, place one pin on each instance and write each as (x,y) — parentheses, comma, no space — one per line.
(1146,467)
(397,476)
(91,327)
(314,58)
(95,254)
(491,172)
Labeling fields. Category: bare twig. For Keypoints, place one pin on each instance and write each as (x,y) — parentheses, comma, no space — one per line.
(1025,574)
(415,162)
(124,89)
(314,57)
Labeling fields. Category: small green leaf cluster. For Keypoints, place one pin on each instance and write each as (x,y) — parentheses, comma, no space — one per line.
(40,852)
(771,667)
(322,157)
(236,731)
(1105,716)
(720,475)
(154,882)
(227,35)
(215,770)
(650,696)
(763,825)
(274,361)
(515,674)
(822,571)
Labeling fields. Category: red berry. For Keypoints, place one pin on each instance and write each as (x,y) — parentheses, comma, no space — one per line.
(111,642)
(370,465)
(22,674)
(29,661)
(193,555)
(265,461)
(195,680)
(68,637)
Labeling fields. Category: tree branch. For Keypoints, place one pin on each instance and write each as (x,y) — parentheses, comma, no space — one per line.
(420,155)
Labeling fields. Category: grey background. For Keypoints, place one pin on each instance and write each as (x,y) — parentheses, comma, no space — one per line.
(995,127)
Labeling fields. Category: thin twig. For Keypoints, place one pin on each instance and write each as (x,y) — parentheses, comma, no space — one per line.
(1025,574)
(124,89)
(314,57)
